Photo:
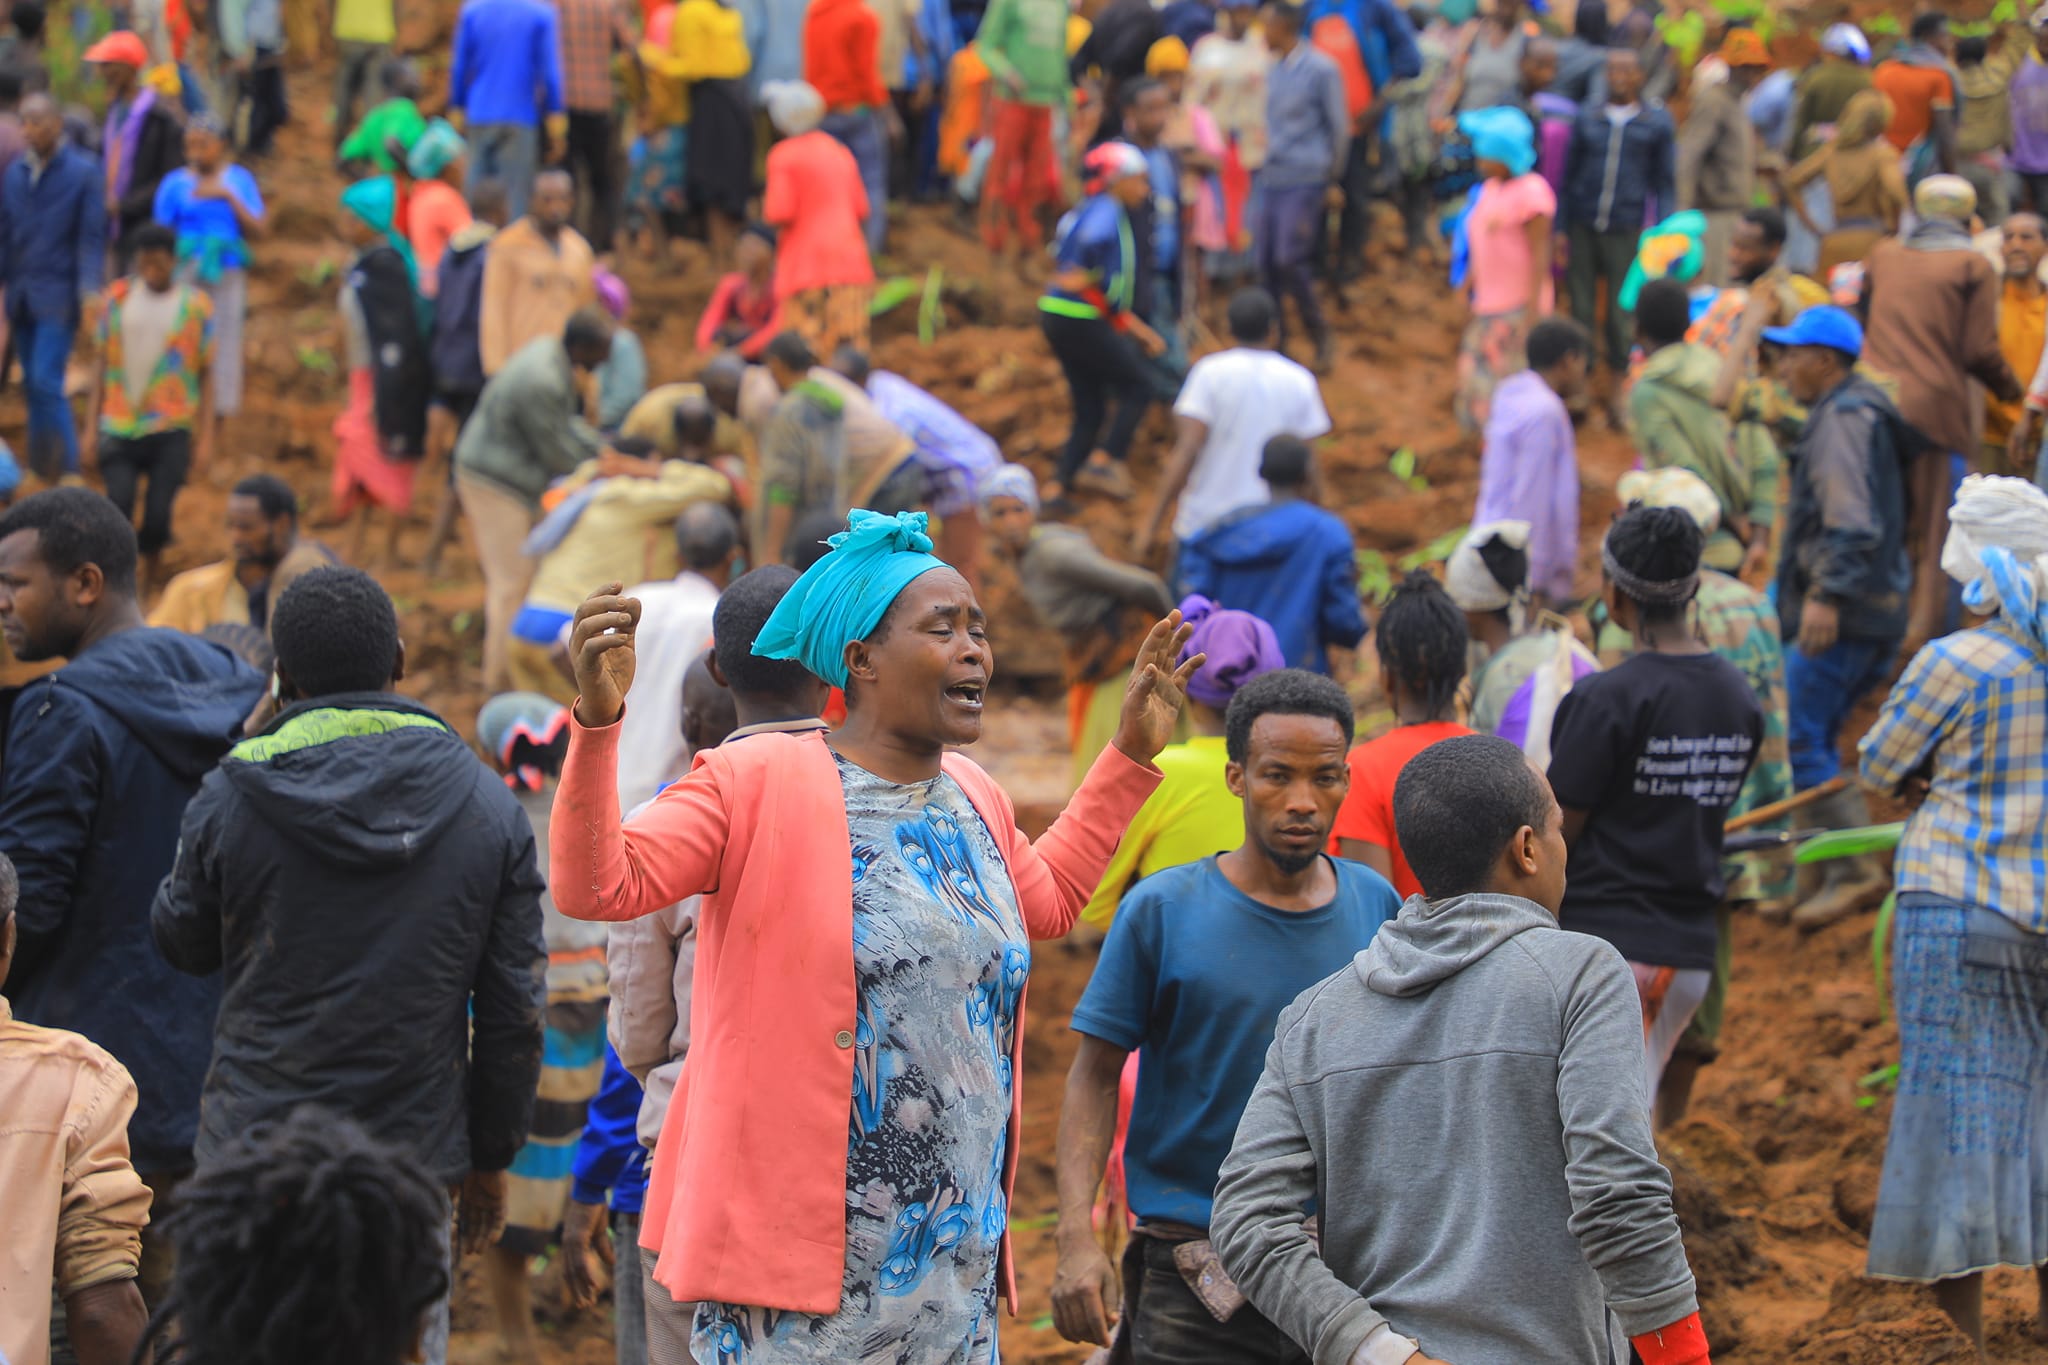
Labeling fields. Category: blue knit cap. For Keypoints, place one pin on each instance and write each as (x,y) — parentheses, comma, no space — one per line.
(843,597)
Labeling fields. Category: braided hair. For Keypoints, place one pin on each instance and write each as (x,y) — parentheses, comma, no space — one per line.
(1420,640)
(1657,545)
(304,1242)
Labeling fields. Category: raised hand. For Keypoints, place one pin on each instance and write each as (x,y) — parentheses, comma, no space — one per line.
(601,652)
(1158,690)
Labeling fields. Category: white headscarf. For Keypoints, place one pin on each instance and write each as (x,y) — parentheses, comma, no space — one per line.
(1672,487)
(1992,510)
(1471,584)
(794,107)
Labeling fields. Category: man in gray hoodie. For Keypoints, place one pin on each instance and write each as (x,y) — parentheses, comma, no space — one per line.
(1504,1053)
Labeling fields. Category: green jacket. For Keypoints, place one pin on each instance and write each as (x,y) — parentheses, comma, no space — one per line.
(527,430)
(1675,423)
(395,120)
(1026,39)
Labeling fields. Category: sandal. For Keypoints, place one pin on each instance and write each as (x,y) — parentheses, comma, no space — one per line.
(1107,477)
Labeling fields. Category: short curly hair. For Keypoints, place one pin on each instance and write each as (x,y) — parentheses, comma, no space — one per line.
(1283,692)
(335,630)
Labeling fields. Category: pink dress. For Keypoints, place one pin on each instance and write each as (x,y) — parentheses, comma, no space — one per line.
(816,199)
(1501,260)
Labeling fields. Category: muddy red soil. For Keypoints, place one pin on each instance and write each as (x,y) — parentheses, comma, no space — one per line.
(1777,1169)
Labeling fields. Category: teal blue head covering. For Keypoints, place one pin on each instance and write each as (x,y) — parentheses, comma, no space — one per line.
(843,597)
(437,146)
(375,201)
(1502,134)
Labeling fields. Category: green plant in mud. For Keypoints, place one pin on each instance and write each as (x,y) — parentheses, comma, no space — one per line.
(1376,572)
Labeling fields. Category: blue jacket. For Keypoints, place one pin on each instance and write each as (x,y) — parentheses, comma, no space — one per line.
(609,1158)
(53,234)
(1290,563)
(1609,186)
(508,62)
(1386,42)
(1845,517)
(453,350)
(102,756)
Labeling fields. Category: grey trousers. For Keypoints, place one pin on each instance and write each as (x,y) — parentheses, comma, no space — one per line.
(668,1322)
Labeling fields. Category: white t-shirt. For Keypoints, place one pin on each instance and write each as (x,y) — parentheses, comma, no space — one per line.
(147,319)
(675,627)
(1245,397)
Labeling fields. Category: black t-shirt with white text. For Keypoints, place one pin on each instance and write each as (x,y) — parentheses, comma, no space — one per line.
(1655,750)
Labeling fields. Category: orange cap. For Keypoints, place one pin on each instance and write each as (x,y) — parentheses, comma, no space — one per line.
(119,49)
(1743,47)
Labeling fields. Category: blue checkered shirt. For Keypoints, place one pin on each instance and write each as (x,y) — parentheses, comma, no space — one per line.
(1971,714)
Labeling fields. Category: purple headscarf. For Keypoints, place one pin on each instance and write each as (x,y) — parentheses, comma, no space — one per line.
(611,293)
(1240,647)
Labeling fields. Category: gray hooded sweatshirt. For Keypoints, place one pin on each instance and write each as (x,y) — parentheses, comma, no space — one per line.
(1464,1106)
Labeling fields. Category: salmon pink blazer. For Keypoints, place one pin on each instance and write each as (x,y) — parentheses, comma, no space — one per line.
(747,1201)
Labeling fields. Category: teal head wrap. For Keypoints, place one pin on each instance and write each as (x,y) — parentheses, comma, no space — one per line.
(437,146)
(1502,134)
(843,597)
(375,202)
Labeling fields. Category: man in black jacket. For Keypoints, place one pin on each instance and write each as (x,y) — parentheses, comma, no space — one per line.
(372,892)
(142,141)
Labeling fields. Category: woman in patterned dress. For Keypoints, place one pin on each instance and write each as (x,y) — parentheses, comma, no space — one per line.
(834,1184)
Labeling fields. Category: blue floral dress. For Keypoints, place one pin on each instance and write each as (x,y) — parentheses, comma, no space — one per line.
(940,956)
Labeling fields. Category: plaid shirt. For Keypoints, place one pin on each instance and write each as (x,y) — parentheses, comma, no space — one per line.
(1971,713)
(591,32)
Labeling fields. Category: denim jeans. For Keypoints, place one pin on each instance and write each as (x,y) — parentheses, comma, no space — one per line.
(44,346)
(508,153)
(861,132)
(1820,692)
(1165,1324)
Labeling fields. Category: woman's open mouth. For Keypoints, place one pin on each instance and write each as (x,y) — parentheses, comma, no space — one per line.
(967,694)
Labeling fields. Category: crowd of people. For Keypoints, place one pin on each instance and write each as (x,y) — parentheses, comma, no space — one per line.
(304,1001)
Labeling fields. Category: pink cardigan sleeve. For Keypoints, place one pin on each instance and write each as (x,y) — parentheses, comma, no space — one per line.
(1055,876)
(599,869)
(717,311)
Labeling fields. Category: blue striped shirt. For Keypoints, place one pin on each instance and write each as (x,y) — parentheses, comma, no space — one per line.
(1971,715)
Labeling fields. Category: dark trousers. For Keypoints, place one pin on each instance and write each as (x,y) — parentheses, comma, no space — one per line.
(263,88)
(1599,263)
(1355,223)
(1285,238)
(906,157)
(162,459)
(1107,378)
(1165,1324)
(592,153)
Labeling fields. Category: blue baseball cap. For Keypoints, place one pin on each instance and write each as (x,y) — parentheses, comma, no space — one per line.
(1823,326)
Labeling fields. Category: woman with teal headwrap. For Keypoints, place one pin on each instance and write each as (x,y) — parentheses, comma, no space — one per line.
(435,209)
(1507,239)
(381,433)
(863,949)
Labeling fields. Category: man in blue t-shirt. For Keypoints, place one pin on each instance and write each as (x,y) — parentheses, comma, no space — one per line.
(1198,965)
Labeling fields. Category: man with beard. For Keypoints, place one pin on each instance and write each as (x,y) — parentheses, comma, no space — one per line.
(102,756)
(266,553)
(1200,961)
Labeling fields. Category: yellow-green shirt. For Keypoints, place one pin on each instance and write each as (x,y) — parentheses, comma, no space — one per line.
(365,21)
(1189,816)
(625,535)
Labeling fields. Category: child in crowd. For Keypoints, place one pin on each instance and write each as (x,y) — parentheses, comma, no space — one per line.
(1421,644)
(150,396)
(1646,759)
(744,312)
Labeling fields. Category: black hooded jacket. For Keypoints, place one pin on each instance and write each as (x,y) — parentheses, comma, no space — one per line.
(370,891)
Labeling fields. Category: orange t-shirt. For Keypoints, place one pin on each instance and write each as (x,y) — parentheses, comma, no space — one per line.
(1368,811)
(1915,92)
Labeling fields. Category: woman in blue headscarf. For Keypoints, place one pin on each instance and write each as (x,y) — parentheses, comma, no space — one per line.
(381,433)
(1508,241)
(839,1172)
(1966,1161)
